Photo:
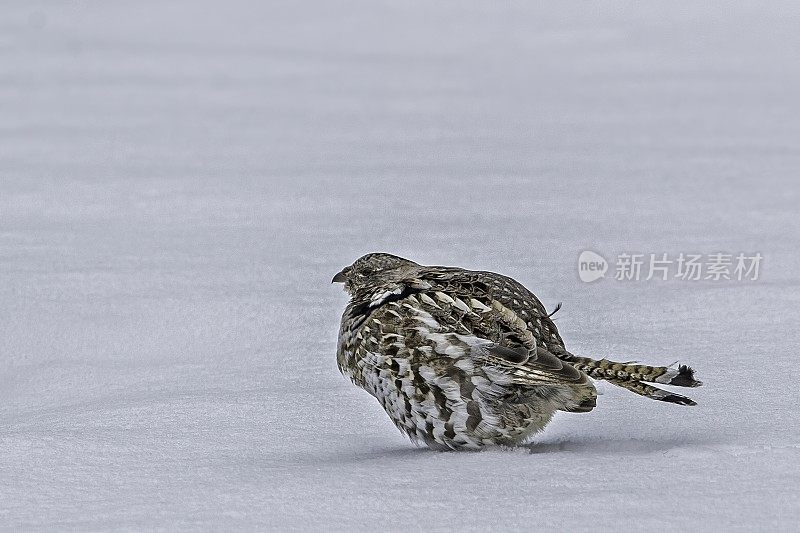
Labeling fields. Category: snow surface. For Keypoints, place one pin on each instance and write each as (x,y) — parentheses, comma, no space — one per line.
(179,182)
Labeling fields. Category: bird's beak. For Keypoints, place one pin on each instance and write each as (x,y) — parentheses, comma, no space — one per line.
(339,278)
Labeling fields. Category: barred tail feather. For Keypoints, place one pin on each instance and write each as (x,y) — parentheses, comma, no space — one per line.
(683,376)
(632,376)
(654,393)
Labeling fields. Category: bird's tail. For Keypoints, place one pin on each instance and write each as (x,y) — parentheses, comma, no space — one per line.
(634,377)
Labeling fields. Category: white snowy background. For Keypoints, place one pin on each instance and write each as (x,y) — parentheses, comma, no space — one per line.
(179,181)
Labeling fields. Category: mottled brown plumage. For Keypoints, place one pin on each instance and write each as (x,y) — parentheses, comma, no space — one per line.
(461,359)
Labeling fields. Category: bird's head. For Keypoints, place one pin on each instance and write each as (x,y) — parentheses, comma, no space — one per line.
(375,274)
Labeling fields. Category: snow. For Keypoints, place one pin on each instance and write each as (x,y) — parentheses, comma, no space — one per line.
(179,182)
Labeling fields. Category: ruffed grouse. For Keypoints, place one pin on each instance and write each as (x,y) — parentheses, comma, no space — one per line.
(462,359)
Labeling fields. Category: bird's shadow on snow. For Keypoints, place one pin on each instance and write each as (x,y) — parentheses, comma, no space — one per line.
(375,454)
(616,446)
(593,446)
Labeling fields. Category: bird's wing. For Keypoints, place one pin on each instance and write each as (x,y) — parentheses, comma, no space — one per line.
(458,347)
(506,291)
(522,367)
(470,332)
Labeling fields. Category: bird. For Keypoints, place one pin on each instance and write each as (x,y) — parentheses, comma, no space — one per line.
(462,359)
